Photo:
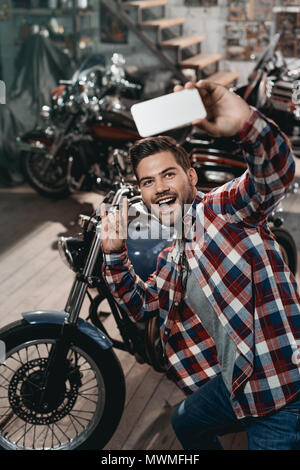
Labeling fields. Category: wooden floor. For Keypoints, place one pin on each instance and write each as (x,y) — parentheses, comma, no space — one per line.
(33,276)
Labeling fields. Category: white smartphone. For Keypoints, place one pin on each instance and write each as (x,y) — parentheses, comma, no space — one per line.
(168,112)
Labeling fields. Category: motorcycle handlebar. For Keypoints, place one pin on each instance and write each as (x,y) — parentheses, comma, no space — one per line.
(127,84)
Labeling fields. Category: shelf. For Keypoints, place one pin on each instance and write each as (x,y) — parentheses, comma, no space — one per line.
(290,9)
(48,11)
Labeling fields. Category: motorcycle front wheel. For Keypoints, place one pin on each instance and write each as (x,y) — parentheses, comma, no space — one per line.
(48,178)
(84,415)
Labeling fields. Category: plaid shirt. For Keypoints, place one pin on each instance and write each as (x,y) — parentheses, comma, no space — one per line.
(239,267)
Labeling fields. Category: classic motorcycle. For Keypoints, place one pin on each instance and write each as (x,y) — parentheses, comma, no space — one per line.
(62,386)
(88,118)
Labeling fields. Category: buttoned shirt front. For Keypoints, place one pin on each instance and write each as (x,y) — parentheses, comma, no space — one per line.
(238,265)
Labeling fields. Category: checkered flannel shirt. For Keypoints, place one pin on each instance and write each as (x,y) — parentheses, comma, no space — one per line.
(239,267)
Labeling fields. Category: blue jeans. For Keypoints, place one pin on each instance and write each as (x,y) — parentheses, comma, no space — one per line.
(208,413)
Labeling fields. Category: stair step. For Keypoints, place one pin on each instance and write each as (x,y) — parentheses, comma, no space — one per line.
(162,23)
(200,61)
(181,41)
(144,3)
(223,78)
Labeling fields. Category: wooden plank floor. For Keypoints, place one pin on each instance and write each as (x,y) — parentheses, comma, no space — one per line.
(33,276)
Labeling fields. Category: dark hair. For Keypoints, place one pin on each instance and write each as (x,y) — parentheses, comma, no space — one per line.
(150,145)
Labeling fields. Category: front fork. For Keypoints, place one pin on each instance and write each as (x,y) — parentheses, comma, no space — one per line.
(58,364)
(57,369)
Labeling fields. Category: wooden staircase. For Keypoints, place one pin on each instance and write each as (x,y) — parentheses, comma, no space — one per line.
(185,50)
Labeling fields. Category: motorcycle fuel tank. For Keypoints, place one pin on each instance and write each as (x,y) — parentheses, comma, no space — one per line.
(144,243)
(115,126)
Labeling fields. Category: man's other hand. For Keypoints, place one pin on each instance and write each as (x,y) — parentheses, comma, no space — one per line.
(114,228)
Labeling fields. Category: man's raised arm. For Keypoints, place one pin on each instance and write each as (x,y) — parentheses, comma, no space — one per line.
(267,151)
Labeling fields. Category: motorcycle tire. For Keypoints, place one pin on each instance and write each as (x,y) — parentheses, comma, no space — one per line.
(83,417)
(287,247)
(46,185)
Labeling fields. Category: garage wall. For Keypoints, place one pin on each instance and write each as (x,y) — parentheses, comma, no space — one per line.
(210,22)
(207,21)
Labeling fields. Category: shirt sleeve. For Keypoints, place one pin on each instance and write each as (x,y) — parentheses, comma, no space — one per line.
(138,298)
(271,168)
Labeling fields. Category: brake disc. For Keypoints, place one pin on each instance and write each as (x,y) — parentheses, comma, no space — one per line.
(26,389)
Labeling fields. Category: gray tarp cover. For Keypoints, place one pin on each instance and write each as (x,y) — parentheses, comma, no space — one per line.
(39,65)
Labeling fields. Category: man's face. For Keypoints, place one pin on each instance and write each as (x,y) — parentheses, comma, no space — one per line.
(165,186)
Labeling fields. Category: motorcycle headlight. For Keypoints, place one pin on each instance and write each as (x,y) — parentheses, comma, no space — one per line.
(71,251)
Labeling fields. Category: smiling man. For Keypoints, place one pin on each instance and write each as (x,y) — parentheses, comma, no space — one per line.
(165,176)
(228,305)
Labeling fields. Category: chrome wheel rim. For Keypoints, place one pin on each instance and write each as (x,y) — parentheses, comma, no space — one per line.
(22,426)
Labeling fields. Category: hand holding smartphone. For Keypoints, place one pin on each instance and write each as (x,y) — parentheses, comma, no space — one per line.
(158,115)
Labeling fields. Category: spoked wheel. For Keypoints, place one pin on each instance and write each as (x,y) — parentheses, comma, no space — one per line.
(83,414)
(47,177)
